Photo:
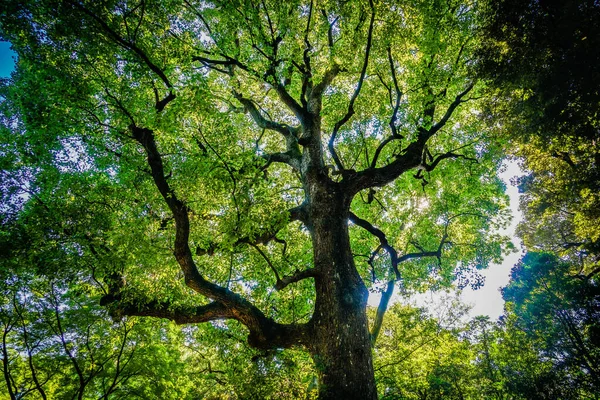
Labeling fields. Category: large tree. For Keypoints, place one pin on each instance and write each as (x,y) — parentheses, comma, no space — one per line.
(262,162)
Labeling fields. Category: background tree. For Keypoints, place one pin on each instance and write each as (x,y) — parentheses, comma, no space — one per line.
(542,59)
(559,312)
(244,162)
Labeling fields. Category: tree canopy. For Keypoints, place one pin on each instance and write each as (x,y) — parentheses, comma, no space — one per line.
(253,171)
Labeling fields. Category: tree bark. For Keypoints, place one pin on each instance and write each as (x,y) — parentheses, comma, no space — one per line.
(340,344)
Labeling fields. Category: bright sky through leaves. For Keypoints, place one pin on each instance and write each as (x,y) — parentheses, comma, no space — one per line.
(7,62)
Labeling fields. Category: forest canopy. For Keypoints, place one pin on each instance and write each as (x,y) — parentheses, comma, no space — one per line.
(198,198)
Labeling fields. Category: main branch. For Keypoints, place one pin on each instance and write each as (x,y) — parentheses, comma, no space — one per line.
(264,332)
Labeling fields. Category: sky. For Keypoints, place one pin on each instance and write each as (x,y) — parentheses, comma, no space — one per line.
(485,301)
(6,59)
(488,300)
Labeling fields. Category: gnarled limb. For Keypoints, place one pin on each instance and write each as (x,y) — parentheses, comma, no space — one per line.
(395,260)
(263,330)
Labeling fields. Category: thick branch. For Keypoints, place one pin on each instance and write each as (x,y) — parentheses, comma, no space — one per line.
(190,315)
(292,104)
(411,157)
(262,329)
(319,88)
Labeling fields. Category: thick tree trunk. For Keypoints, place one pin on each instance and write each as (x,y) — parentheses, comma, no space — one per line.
(341,344)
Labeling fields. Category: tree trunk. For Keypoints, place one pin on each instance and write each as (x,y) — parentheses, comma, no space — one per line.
(341,346)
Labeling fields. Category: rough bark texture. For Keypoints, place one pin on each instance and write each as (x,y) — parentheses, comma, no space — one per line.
(340,343)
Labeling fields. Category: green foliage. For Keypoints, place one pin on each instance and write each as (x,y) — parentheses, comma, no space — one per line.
(558,310)
(541,59)
(89,216)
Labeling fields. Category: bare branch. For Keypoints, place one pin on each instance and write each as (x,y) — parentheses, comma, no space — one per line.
(411,157)
(378,233)
(129,45)
(442,122)
(438,159)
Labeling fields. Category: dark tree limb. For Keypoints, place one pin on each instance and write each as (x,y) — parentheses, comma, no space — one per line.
(411,157)
(263,331)
(395,261)
(381,310)
(458,100)
(378,233)
(438,159)
(298,276)
(130,45)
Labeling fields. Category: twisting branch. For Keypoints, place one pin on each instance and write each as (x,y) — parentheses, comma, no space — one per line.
(441,157)
(378,233)
(350,111)
(459,99)
(264,332)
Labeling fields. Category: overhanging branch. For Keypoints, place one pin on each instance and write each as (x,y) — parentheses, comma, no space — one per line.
(264,332)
